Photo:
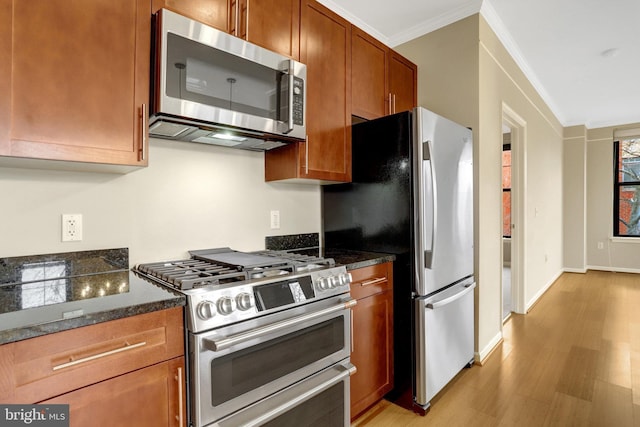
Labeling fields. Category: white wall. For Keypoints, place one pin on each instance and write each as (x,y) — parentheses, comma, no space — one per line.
(575,198)
(192,196)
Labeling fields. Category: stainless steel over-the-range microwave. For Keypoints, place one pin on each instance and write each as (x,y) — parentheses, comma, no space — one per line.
(211,87)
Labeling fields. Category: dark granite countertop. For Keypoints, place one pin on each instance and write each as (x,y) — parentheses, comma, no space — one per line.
(356,259)
(44,294)
(310,244)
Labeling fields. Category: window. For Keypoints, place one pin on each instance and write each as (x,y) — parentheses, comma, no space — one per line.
(626,192)
(506,189)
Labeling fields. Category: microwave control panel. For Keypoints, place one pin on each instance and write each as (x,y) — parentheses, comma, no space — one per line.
(298,101)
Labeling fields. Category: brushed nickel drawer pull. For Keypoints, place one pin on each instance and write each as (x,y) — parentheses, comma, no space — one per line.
(374,281)
(100,355)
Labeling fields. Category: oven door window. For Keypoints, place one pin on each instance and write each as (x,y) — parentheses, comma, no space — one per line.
(239,372)
(208,76)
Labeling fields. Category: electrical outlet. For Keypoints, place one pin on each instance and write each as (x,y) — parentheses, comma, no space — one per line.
(71,227)
(275,220)
(600,245)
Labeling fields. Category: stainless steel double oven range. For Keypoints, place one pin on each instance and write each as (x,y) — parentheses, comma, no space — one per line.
(268,337)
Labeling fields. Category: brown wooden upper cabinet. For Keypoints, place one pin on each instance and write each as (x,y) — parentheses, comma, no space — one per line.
(75,80)
(272,24)
(383,82)
(325,47)
(215,13)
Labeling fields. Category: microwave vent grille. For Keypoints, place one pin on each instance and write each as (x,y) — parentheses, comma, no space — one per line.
(168,130)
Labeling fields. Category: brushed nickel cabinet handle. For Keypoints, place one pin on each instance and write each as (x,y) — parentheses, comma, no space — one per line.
(180,416)
(374,281)
(306,155)
(126,347)
(143,130)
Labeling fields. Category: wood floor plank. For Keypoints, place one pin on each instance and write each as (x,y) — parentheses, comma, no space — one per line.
(567,411)
(612,406)
(573,360)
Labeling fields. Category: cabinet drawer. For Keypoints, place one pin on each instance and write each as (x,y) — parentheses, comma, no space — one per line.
(371,280)
(46,366)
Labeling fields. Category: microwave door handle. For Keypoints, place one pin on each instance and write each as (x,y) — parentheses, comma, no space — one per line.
(290,76)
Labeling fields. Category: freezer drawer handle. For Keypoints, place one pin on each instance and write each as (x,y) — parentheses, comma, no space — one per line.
(468,288)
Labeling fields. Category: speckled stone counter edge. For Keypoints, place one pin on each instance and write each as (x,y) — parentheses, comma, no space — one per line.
(33,331)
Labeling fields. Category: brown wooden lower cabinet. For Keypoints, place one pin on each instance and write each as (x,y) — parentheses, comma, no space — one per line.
(372,336)
(124,372)
(138,399)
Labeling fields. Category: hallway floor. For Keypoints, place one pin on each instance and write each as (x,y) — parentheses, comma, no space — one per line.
(574,360)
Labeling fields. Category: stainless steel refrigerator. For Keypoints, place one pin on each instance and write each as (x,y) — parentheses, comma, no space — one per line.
(412,196)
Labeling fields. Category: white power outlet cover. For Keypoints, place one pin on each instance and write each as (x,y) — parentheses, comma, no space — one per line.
(71,227)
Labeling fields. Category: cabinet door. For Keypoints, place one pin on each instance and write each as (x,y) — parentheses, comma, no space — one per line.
(216,13)
(372,350)
(370,93)
(79,80)
(325,47)
(153,397)
(272,24)
(403,75)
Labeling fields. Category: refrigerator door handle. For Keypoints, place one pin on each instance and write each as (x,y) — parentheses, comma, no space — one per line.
(443,302)
(429,204)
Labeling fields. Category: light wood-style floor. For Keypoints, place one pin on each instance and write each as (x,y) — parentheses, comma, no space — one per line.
(573,360)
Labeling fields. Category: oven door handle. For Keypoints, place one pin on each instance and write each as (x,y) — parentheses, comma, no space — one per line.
(223,343)
(287,399)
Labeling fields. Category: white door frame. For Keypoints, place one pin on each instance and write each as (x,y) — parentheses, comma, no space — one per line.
(518,207)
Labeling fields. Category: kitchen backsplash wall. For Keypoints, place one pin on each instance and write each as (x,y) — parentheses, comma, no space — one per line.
(192,196)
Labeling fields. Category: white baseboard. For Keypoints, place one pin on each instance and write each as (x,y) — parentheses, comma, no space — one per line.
(575,270)
(541,292)
(486,351)
(614,269)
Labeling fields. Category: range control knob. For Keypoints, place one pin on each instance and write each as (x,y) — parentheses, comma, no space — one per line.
(323,283)
(244,301)
(333,281)
(344,278)
(206,310)
(225,305)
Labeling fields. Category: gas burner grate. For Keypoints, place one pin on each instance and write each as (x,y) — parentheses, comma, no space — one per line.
(301,262)
(190,273)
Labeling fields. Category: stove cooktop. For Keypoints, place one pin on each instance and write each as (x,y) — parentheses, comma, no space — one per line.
(221,266)
(224,286)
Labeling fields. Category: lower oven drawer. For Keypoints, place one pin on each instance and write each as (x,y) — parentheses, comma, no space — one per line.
(238,365)
(318,401)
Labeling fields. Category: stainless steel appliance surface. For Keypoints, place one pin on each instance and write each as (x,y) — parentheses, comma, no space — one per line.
(412,196)
(263,328)
(213,88)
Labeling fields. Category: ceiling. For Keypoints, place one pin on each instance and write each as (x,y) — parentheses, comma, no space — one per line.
(583,56)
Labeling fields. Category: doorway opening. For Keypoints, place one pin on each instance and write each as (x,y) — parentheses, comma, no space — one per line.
(506,223)
(513,166)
